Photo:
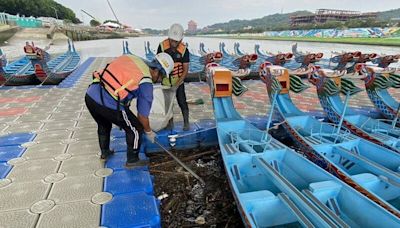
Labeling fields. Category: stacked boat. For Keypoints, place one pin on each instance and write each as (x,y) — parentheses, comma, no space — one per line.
(37,67)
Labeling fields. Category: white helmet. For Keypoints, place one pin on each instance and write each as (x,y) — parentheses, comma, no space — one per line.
(166,62)
(175,32)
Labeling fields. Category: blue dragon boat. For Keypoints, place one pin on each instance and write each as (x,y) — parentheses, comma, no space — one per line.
(55,70)
(329,85)
(367,167)
(21,71)
(275,186)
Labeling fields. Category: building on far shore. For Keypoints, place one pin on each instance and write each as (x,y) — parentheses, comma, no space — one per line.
(325,15)
(192,26)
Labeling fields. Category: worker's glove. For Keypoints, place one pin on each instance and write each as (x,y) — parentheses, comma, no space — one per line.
(151,136)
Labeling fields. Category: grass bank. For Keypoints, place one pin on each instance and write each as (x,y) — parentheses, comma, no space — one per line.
(345,40)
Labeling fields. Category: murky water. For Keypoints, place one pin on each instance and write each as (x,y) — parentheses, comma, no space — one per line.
(109,48)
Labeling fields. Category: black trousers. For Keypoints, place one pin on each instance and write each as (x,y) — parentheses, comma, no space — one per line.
(181,98)
(105,117)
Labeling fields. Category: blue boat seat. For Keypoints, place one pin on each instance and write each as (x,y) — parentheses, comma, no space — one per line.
(325,186)
(257,196)
(365,179)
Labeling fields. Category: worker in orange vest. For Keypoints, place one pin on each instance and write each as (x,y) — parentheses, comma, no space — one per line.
(109,96)
(179,53)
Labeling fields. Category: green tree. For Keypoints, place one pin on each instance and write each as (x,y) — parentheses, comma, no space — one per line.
(38,8)
(94,23)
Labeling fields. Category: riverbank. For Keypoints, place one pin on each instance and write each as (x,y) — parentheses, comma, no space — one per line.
(6,32)
(342,40)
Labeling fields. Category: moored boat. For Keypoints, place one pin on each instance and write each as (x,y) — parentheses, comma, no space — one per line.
(367,167)
(274,185)
(57,69)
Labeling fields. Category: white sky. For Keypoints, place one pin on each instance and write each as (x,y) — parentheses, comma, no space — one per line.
(159,14)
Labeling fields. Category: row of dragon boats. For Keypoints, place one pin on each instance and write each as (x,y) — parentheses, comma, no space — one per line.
(38,67)
(345,173)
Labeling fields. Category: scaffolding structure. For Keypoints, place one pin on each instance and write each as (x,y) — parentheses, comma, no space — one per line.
(324,15)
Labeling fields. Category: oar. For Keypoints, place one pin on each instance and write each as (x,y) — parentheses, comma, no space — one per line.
(181,163)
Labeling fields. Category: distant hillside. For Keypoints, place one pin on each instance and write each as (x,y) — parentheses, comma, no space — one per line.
(387,15)
(270,22)
(37,8)
(277,22)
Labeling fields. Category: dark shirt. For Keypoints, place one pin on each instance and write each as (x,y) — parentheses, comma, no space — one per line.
(176,56)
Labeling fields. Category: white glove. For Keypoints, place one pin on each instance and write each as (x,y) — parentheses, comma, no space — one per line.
(151,135)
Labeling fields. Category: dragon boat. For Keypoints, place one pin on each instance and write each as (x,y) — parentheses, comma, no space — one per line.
(21,71)
(55,70)
(329,85)
(367,167)
(275,186)
(377,80)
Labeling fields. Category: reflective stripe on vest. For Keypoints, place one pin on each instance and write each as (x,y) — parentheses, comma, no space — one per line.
(178,70)
(123,75)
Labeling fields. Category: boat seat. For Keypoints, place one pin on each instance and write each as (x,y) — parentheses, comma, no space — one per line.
(325,186)
(257,195)
(364,178)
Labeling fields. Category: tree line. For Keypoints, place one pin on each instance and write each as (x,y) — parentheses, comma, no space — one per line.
(38,8)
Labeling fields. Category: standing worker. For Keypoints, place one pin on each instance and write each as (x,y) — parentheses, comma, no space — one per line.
(109,96)
(178,51)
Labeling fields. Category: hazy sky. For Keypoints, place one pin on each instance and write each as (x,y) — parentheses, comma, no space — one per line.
(160,14)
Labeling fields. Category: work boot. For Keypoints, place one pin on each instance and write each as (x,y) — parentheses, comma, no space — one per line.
(133,160)
(170,125)
(106,154)
(186,125)
(104,142)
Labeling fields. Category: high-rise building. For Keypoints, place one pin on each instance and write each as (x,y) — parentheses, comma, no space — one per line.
(192,26)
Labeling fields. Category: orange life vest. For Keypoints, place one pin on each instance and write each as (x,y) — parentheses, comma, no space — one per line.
(178,66)
(123,75)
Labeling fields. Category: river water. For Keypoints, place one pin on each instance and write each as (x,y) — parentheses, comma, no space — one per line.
(113,47)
